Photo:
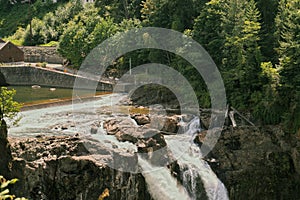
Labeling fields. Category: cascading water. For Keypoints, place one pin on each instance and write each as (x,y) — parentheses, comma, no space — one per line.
(161,184)
(192,167)
(191,127)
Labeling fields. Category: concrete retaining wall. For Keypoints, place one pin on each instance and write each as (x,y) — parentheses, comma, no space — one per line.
(41,54)
(45,77)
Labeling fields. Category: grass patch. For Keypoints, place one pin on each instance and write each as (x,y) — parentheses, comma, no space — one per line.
(50,44)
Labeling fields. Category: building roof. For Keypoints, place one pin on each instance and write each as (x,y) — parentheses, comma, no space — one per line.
(1,41)
(2,44)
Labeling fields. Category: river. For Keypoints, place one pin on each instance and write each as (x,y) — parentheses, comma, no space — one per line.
(81,117)
(30,95)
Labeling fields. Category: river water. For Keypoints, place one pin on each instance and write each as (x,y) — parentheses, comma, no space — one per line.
(29,95)
(64,119)
(80,117)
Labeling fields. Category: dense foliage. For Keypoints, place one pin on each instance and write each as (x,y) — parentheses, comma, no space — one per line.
(18,13)
(255,44)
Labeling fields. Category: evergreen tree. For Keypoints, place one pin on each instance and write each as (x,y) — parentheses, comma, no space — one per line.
(207,29)
(173,14)
(288,25)
(119,9)
(268,42)
(241,52)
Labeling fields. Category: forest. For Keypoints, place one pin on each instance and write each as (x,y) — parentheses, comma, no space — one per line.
(254,43)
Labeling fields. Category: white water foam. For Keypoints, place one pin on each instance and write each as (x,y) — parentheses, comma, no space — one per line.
(188,156)
(161,184)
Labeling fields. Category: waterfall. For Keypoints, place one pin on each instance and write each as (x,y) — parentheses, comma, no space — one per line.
(192,167)
(189,128)
(161,184)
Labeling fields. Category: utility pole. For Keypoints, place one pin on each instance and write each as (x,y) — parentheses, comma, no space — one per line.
(130,65)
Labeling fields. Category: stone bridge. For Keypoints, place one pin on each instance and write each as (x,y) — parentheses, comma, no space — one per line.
(25,75)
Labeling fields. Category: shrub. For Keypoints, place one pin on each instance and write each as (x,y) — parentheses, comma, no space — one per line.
(4,192)
(8,107)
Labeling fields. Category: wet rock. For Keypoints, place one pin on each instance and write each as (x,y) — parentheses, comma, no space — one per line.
(205,120)
(185,176)
(186,117)
(199,139)
(94,130)
(127,131)
(167,124)
(111,126)
(141,119)
(146,139)
(171,125)
(64,127)
(127,136)
(152,140)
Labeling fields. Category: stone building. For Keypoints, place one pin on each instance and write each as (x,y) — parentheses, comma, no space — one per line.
(10,52)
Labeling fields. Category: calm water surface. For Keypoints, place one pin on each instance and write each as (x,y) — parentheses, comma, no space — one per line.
(29,95)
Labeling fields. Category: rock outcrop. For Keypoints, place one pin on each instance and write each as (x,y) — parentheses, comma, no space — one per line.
(63,168)
(257,163)
(141,119)
(166,124)
(146,139)
(155,94)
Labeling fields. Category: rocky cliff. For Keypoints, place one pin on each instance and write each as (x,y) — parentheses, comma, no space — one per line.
(257,163)
(61,168)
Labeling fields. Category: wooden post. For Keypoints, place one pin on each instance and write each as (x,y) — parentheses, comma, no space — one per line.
(231,116)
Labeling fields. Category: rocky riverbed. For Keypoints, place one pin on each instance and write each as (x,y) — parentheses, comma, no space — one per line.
(76,159)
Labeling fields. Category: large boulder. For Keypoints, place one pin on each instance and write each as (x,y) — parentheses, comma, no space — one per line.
(141,119)
(111,126)
(150,142)
(166,124)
